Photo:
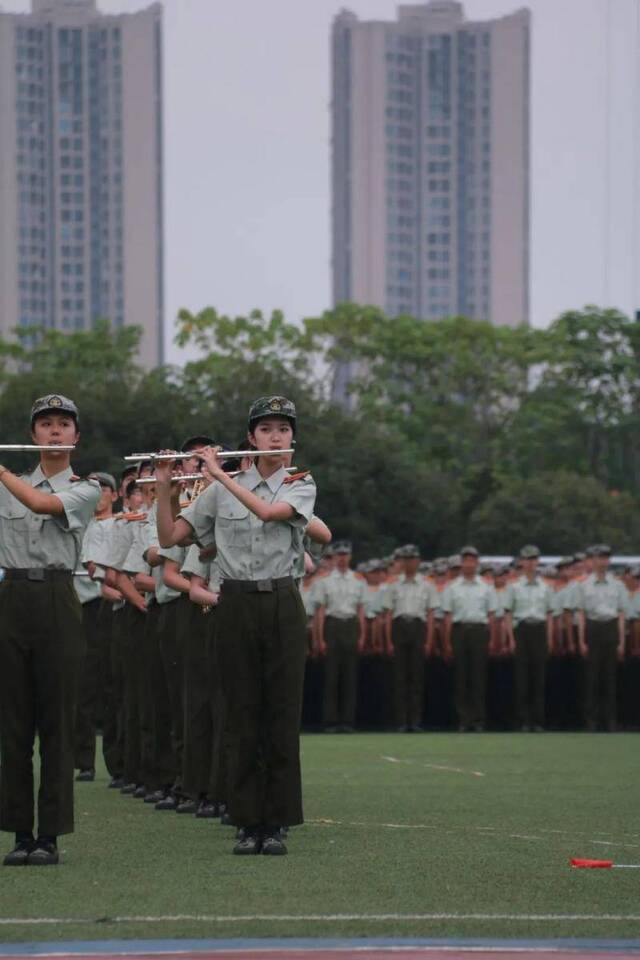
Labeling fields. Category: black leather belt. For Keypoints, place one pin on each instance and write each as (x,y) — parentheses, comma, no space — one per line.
(256,586)
(38,574)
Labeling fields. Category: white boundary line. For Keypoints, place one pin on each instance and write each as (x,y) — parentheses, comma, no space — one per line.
(324,918)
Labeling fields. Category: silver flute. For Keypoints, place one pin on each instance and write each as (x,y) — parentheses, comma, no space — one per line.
(186,477)
(222,455)
(33,447)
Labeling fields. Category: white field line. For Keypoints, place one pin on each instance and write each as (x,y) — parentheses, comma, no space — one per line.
(434,766)
(325,918)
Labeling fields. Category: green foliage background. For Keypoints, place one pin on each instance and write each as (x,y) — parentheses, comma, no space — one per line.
(454,430)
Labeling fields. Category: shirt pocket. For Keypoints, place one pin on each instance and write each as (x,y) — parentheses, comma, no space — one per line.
(14,517)
(233,525)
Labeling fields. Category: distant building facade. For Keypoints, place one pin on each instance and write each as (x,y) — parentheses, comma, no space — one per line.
(430,163)
(81,170)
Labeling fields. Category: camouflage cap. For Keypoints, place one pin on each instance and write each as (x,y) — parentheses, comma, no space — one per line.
(408,552)
(469,552)
(272,407)
(601,550)
(342,548)
(579,556)
(455,560)
(53,403)
(530,552)
(564,562)
(440,567)
(200,440)
(104,479)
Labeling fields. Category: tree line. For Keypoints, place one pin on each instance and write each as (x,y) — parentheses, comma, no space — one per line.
(454,430)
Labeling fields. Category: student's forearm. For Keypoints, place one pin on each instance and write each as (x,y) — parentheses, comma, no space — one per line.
(174,579)
(171,531)
(262,510)
(32,499)
(128,591)
(110,593)
(199,594)
(144,583)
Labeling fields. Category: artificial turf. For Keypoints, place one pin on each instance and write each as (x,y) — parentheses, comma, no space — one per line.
(396,824)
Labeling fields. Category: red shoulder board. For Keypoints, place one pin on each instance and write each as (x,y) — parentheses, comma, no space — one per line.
(75,479)
(135,517)
(296,476)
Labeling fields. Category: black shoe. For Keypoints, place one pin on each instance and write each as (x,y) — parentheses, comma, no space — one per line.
(272,845)
(187,806)
(116,783)
(402,729)
(86,776)
(250,844)
(43,854)
(226,820)
(345,728)
(154,796)
(478,727)
(19,856)
(206,810)
(168,802)
(463,728)
(128,789)
(331,729)
(416,728)
(537,729)
(525,729)
(140,792)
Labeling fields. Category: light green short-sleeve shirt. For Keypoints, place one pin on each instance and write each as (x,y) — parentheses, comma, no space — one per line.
(529,600)
(469,601)
(193,566)
(601,599)
(409,598)
(247,547)
(86,588)
(30,539)
(341,594)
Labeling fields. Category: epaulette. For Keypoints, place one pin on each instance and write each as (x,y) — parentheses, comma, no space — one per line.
(296,476)
(131,517)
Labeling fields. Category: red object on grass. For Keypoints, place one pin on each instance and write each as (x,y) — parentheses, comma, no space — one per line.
(602,864)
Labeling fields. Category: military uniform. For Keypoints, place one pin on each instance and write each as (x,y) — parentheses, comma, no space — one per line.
(602,601)
(530,603)
(260,639)
(409,600)
(470,603)
(41,644)
(342,597)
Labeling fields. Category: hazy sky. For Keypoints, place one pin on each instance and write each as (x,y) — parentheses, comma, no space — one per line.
(247,151)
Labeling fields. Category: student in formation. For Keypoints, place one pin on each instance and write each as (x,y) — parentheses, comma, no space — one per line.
(261,631)
(43,517)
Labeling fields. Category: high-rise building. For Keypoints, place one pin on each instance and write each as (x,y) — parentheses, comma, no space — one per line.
(430,163)
(81,231)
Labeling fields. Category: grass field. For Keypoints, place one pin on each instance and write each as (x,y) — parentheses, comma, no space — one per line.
(412,826)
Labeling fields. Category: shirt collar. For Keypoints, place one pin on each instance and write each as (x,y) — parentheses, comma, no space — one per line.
(57,482)
(274,482)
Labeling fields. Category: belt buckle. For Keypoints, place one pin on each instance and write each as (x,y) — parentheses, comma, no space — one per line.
(265,586)
(36,574)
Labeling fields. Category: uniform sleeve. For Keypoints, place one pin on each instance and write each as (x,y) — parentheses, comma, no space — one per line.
(508,598)
(574,597)
(623,599)
(446,604)
(92,538)
(302,497)
(193,566)
(79,503)
(387,602)
(364,590)
(135,562)
(177,554)
(321,594)
(551,601)
(201,515)
(120,545)
(493,603)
